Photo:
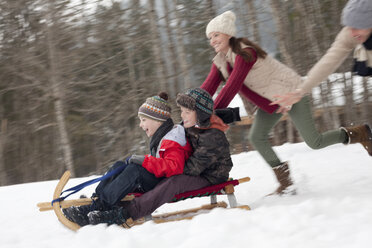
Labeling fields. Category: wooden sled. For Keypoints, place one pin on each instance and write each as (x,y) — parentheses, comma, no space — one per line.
(226,188)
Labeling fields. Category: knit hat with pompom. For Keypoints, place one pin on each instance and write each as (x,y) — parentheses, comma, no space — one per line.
(156,107)
(224,23)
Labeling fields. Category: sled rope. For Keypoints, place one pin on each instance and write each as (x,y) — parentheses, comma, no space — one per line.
(81,186)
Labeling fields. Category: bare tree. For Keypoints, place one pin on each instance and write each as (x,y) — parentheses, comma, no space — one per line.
(253,20)
(171,46)
(57,90)
(181,49)
(157,45)
(3,171)
(280,22)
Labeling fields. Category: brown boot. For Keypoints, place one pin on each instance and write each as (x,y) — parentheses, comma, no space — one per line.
(282,174)
(360,134)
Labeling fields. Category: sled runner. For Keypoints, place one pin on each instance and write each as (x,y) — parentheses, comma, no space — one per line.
(226,188)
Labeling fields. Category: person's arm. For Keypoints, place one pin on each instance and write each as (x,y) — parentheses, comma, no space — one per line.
(235,81)
(205,154)
(171,162)
(213,80)
(336,54)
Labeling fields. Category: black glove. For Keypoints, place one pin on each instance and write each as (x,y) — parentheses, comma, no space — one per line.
(228,115)
(136,159)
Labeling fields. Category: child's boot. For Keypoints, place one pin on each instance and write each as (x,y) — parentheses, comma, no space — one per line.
(117,216)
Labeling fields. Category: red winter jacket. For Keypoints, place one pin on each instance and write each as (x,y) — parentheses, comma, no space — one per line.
(172,153)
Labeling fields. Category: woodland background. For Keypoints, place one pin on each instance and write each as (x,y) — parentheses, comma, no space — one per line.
(73,74)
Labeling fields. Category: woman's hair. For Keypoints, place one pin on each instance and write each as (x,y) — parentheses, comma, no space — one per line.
(247,56)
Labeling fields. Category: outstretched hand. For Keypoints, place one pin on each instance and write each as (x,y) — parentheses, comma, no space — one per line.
(286,101)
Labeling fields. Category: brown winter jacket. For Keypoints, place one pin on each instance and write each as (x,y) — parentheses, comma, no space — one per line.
(211,153)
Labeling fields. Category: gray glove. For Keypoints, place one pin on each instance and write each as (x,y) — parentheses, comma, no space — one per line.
(136,159)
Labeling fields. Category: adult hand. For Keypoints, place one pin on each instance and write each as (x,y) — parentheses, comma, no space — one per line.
(283,109)
(136,159)
(286,101)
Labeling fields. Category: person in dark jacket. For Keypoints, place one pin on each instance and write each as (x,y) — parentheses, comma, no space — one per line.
(210,162)
(169,149)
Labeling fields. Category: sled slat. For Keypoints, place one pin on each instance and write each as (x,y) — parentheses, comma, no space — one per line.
(45,206)
(56,206)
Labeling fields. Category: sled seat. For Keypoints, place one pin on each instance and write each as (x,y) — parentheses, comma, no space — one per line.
(226,188)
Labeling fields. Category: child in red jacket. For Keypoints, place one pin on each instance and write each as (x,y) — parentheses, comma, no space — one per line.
(209,164)
(169,150)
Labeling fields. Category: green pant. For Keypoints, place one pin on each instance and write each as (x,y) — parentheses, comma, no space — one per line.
(302,118)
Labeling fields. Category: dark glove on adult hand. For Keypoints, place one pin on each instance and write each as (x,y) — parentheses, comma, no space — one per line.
(136,159)
(228,115)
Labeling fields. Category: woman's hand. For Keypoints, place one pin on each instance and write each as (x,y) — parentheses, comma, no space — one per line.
(286,101)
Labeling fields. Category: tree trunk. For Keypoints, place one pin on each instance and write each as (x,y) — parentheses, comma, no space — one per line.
(332,110)
(157,46)
(280,32)
(181,49)
(349,102)
(241,16)
(253,20)
(3,172)
(212,12)
(57,92)
(309,30)
(171,47)
(366,113)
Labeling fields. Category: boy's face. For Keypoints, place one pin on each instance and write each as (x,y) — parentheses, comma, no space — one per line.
(149,125)
(188,117)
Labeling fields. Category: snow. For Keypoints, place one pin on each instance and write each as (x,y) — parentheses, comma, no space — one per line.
(333,208)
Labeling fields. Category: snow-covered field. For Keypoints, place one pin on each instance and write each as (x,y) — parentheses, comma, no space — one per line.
(333,208)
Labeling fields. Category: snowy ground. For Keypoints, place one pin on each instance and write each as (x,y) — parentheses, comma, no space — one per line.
(333,208)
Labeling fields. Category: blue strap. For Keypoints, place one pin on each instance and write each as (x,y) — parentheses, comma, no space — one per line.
(81,186)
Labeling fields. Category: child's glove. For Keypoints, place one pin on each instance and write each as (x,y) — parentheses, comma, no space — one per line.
(136,159)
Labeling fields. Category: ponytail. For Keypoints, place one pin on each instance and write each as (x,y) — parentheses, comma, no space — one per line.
(247,56)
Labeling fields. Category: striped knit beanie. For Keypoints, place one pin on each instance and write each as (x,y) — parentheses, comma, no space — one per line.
(199,100)
(156,107)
